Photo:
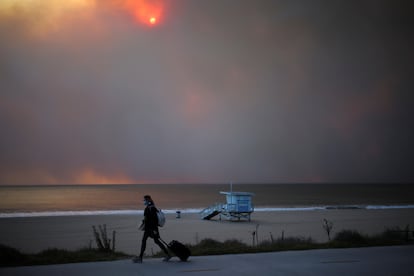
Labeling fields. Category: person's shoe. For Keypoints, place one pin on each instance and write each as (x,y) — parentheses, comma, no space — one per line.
(166,259)
(137,259)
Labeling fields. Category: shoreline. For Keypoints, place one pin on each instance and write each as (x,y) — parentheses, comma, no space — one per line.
(198,210)
(34,234)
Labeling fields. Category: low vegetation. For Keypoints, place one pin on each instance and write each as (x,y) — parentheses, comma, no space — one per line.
(213,247)
(343,239)
(12,257)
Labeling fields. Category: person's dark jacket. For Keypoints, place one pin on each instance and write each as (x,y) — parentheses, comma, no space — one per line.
(150,218)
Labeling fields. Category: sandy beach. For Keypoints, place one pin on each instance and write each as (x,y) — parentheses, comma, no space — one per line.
(74,232)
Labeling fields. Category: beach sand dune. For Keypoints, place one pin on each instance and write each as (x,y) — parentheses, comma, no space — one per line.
(73,232)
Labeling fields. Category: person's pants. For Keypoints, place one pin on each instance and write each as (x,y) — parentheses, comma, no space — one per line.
(155,236)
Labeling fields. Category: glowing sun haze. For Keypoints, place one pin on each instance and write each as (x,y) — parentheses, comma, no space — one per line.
(149,91)
(145,11)
(47,15)
(40,17)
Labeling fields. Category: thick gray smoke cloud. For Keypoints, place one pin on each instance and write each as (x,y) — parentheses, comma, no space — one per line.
(249,91)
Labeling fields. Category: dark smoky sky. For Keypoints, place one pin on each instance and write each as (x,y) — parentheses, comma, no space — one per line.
(216,91)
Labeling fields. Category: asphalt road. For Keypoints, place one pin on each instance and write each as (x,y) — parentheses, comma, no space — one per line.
(373,261)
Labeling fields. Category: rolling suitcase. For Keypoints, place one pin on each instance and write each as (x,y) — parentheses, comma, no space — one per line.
(179,249)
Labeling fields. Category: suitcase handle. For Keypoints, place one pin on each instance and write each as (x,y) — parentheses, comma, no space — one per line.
(166,244)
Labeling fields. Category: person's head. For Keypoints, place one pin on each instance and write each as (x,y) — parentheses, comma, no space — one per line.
(148,200)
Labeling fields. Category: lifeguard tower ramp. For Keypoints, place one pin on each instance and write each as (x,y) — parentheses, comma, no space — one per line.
(238,206)
(211,211)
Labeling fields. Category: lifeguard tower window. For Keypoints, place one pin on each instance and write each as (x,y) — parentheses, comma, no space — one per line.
(238,201)
(243,205)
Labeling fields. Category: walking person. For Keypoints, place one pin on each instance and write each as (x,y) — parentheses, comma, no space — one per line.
(150,227)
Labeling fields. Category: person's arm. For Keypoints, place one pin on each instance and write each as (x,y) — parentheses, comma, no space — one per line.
(146,213)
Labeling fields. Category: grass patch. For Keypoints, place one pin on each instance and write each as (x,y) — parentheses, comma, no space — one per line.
(352,238)
(12,257)
(343,239)
(214,247)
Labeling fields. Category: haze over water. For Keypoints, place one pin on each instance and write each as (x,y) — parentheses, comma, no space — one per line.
(103,198)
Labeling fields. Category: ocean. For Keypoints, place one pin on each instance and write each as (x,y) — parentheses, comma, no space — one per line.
(68,200)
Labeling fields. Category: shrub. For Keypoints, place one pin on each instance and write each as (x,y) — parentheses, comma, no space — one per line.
(395,234)
(10,256)
(351,237)
(213,247)
(64,256)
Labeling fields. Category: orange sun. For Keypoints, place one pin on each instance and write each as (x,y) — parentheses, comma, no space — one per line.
(148,12)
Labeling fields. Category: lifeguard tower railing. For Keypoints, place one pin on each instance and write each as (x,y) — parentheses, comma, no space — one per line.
(211,211)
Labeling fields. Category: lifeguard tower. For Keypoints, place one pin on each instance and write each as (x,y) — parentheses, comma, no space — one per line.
(238,205)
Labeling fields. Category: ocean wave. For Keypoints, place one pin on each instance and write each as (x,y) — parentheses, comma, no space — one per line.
(69,213)
(375,207)
(333,207)
(197,210)
(283,209)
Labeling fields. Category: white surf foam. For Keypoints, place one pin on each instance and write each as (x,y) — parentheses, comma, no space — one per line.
(196,210)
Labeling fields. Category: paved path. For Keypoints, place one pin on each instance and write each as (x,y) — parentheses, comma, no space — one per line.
(395,260)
